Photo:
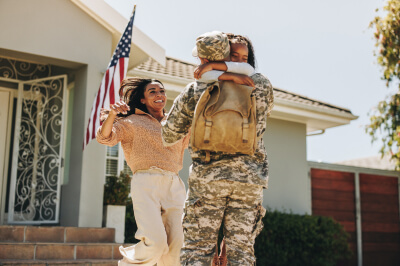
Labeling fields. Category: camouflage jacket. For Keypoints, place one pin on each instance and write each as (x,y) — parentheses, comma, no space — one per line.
(235,167)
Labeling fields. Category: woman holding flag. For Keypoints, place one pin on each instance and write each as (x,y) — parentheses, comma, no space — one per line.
(158,194)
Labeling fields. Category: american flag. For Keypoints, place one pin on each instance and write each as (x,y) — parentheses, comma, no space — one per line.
(109,87)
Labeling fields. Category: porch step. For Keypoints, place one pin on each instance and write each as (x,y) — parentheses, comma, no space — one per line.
(59,251)
(60,262)
(56,234)
(56,245)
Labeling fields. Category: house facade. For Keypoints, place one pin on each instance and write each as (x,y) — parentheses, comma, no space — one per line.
(51,65)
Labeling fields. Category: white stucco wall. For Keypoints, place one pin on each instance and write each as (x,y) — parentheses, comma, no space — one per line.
(60,33)
(289,185)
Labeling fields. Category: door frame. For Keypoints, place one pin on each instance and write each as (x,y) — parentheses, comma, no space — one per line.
(4,174)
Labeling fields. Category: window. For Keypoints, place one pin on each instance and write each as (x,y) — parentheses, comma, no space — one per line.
(115,161)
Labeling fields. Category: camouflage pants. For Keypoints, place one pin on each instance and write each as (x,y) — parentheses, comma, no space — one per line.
(238,205)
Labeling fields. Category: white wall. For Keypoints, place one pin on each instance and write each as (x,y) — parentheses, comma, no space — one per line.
(60,33)
(289,184)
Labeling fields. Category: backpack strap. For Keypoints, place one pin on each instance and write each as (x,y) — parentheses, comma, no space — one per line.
(207,130)
(208,157)
(245,126)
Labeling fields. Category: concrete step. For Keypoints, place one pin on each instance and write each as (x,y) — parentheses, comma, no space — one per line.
(56,234)
(60,262)
(59,251)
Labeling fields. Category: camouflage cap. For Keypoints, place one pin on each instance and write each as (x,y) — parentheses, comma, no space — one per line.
(213,46)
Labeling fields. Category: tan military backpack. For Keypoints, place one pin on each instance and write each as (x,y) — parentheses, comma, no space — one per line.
(225,120)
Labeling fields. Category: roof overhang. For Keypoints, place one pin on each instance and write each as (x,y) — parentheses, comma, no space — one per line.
(142,46)
(316,118)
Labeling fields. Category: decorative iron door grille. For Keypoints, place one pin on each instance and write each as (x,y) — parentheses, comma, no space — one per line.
(38,150)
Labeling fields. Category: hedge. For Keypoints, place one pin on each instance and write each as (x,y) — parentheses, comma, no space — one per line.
(130,224)
(291,239)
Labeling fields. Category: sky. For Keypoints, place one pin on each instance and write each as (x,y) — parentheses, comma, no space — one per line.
(322,49)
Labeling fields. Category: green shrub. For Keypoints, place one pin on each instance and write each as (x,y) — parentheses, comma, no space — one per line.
(290,239)
(116,190)
(130,224)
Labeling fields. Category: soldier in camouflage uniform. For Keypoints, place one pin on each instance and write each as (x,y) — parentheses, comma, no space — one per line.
(229,188)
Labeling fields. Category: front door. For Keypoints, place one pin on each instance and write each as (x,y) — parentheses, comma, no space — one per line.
(37,152)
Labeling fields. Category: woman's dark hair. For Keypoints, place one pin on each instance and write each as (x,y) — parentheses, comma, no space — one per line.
(246,41)
(132,91)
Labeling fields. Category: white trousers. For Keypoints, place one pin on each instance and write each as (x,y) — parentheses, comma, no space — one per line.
(158,197)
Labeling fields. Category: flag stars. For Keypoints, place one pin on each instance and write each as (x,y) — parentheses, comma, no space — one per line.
(124,46)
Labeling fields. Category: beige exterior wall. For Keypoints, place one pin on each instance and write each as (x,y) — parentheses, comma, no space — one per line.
(60,33)
(57,29)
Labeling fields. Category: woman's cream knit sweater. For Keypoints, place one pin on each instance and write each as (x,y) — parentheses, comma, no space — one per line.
(140,137)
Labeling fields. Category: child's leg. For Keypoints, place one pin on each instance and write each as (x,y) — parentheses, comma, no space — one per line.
(223,260)
(242,223)
(215,261)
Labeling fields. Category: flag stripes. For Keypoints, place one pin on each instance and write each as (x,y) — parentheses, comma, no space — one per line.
(109,87)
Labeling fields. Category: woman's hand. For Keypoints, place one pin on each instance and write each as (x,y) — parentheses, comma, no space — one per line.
(119,107)
(238,79)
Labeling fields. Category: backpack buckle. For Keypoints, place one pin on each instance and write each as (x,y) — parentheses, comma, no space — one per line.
(207,131)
